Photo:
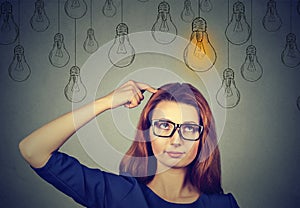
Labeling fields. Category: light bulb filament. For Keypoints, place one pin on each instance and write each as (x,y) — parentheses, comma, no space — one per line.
(91,41)
(39,16)
(75,4)
(228,91)
(205,4)
(6,26)
(121,46)
(272,12)
(187,11)
(251,66)
(199,50)
(109,5)
(238,17)
(19,66)
(75,87)
(291,52)
(164,25)
(238,26)
(59,52)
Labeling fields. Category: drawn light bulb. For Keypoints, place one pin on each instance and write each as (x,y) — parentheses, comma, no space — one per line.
(39,21)
(251,69)
(121,53)
(59,56)
(238,30)
(164,30)
(290,56)
(228,96)
(206,5)
(109,9)
(19,70)
(75,8)
(272,21)
(9,30)
(187,14)
(75,91)
(199,54)
(90,44)
(298,103)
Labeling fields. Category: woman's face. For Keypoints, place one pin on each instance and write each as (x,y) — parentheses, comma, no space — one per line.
(174,151)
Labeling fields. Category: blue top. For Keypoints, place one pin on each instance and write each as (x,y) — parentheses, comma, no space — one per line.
(95,188)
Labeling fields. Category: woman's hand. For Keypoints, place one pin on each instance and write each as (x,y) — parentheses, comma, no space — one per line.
(129,94)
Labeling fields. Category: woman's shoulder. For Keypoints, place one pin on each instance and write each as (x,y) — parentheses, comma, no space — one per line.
(221,200)
(88,186)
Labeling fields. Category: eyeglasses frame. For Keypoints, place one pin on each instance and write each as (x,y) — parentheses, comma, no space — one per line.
(176,126)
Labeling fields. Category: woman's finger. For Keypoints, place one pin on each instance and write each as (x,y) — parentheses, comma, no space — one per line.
(144,87)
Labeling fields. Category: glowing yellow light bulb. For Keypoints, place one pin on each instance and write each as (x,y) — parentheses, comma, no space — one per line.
(199,54)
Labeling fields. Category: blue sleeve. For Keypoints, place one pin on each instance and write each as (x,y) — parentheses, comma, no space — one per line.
(87,186)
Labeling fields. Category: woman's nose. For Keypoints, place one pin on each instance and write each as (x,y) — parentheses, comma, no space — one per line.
(175,139)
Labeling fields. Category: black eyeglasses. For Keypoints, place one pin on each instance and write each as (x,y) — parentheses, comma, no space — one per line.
(165,128)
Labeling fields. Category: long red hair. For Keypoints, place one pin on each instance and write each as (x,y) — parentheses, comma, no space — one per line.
(205,170)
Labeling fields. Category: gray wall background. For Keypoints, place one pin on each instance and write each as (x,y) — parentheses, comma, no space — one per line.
(260,144)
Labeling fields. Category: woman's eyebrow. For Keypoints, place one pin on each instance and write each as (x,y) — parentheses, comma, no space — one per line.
(186,122)
(190,122)
(162,119)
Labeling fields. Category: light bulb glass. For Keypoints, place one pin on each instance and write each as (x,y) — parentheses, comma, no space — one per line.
(206,5)
(238,30)
(90,44)
(272,21)
(164,30)
(75,91)
(187,14)
(109,9)
(75,8)
(199,54)
(228,96)
(39,21)
(59,56)
(9,31)
(121,53)
(290,56)
(298,103)
(251,69)
(19,70)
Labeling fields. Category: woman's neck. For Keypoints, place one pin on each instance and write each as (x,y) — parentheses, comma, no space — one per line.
(173,186)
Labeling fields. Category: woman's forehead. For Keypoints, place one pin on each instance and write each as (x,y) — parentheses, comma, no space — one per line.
(175,111)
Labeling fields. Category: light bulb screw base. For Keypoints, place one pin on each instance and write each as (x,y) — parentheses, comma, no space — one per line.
(164,7)
(6,8)
(74,71)
(19,50)
(238,7)
(122,29)
(251,50)
(228,74)
(199,25)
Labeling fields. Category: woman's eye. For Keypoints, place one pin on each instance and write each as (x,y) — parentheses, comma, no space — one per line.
(164,125)
(189,129)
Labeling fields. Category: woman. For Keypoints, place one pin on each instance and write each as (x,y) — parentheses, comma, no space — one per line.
(174,160)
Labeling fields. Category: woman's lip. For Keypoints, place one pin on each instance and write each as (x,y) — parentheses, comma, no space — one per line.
(174,154)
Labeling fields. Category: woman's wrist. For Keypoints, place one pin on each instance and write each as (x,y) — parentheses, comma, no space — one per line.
(102,104)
